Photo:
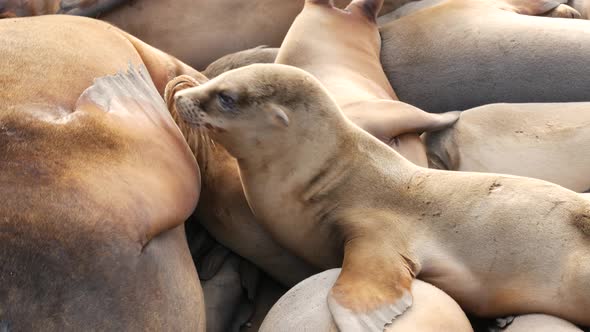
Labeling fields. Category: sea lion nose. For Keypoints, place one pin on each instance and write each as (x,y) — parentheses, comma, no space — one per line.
(185,104)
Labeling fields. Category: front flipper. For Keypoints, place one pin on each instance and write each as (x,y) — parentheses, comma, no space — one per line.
(89,8)
(389,119)
(563,11)
(373,287)
(554,8)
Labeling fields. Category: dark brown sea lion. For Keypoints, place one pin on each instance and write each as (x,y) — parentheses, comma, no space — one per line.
(96,181)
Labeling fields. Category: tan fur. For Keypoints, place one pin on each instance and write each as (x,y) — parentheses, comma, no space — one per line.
(545,141)
(341,48)
(497,244)
(96,182)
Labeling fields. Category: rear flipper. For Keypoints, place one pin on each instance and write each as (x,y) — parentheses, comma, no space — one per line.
(373,287)
(89,8)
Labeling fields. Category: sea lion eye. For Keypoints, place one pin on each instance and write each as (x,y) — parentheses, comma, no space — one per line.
(226,101)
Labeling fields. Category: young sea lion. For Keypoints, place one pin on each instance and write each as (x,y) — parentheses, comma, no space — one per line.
(223,209)
(341,48)
(335,195)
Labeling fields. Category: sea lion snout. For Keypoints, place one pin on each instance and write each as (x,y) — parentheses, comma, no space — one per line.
(189,107)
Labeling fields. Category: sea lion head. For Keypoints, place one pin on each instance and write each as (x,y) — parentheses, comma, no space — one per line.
(258,107)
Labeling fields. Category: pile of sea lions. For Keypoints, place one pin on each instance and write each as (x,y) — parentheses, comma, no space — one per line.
(304,165)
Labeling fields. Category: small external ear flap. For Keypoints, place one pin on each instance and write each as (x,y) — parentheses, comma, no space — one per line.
(370,8)
(278,115)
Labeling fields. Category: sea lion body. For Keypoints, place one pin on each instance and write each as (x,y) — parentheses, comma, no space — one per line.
(497,244)
(304,308)
(91,220)
(545,141)
(341,48)
(459,42)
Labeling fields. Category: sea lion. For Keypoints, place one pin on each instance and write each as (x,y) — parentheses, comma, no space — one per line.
(497,244)
(96,181)
(545,141)
(444,59)
(304,308)
(225,26)
(260,54)
(223,209)
(541,323)
(341,48)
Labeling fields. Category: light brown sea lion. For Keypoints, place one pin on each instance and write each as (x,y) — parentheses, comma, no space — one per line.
(224,26)
(233,224)
(541,323)
(335,195)
(462,54)
(304,308)
(545,141)
(341,48)
(96,181)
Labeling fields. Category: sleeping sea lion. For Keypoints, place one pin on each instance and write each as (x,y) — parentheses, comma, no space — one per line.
(304,308)
(225,26)
(335,195)
(546,141)
(462,54)
(341,48)
(96,182)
